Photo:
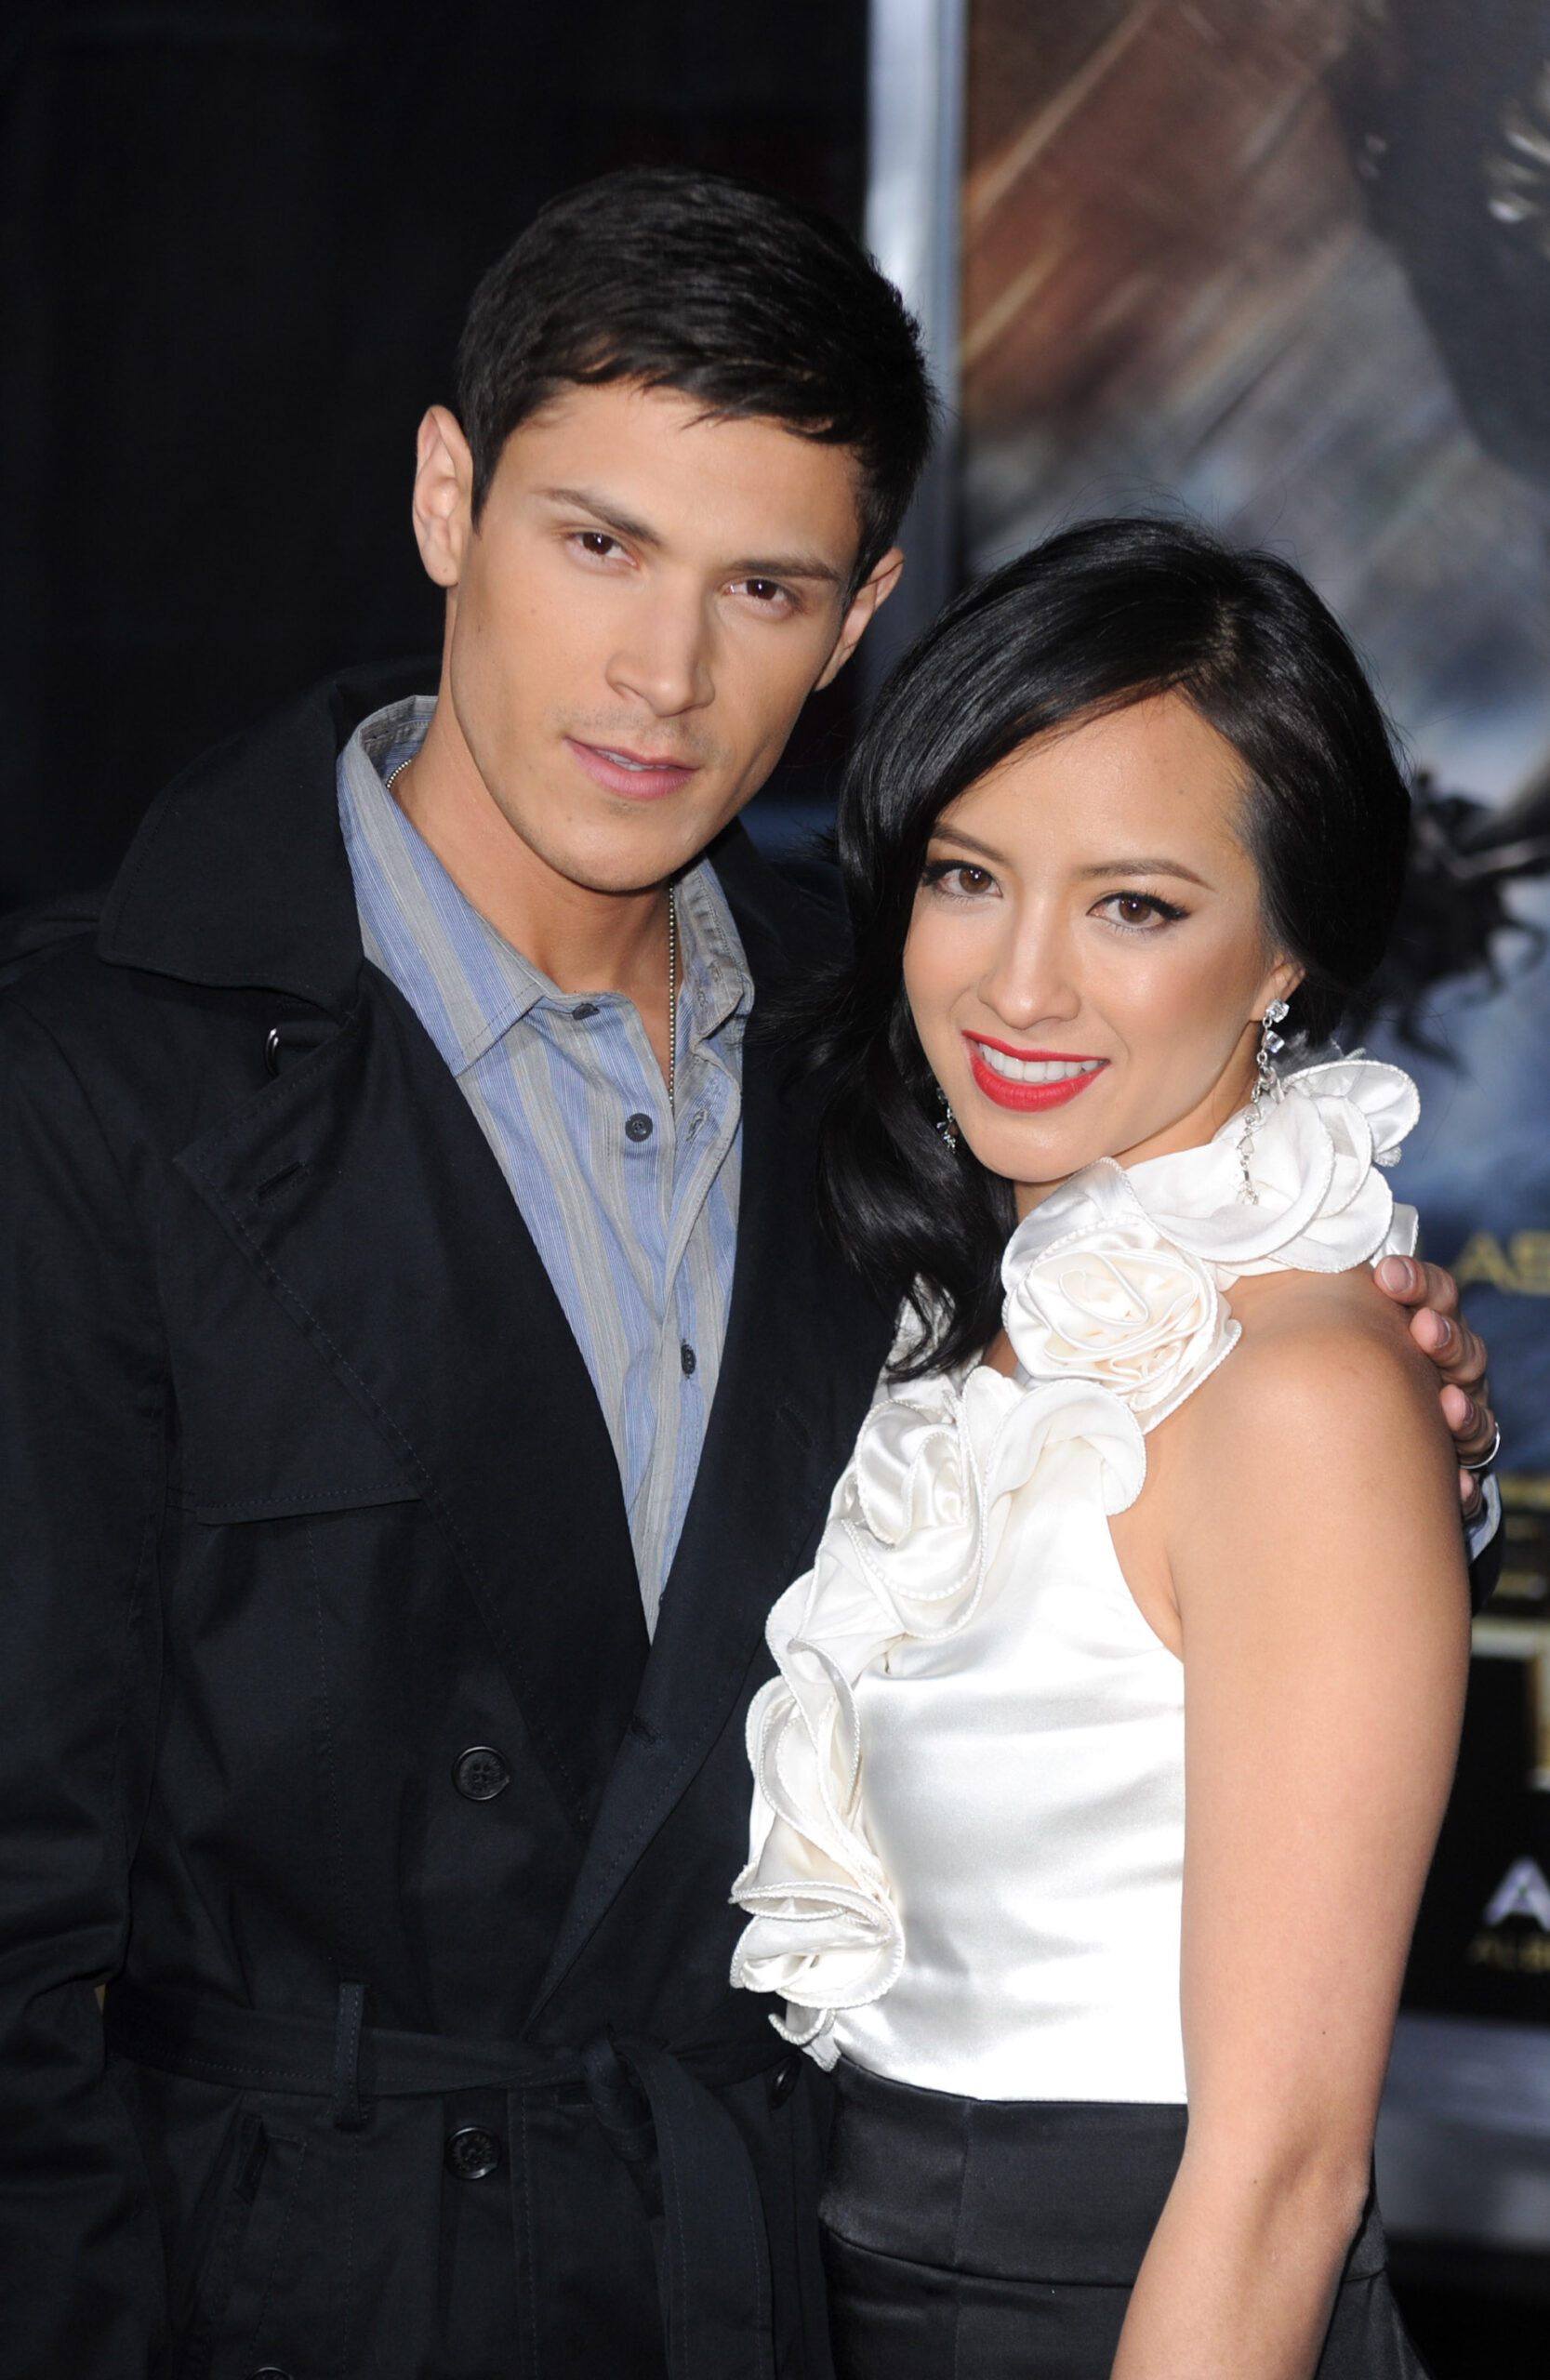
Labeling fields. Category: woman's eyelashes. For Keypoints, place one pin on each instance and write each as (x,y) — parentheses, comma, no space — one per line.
(957,880)
(960,880)
(1137,912)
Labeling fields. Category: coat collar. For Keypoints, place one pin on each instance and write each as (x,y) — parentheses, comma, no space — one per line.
(238,875)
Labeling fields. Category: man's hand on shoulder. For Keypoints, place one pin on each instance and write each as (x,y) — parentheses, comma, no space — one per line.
(1438,1329)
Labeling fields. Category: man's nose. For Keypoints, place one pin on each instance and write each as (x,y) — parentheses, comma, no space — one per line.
(664,660)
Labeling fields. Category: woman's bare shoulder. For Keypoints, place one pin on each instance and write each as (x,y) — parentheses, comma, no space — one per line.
(1337,1326)
(1314,1464)
(1325,1365)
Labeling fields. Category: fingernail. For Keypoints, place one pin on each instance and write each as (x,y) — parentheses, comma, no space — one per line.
(1396,1272)
(1444,1330)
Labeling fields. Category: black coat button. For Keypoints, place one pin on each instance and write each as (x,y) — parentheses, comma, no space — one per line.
(480,1774)
(688,1360)
(474,2154)
(269,2372)
(638,1128)
(785,2078)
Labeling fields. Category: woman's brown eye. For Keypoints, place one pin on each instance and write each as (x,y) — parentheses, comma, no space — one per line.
(957,877)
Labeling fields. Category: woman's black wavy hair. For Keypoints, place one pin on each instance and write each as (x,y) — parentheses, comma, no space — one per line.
(1098,618)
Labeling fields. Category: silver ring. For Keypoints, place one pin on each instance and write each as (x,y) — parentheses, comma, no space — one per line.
(1484,1462)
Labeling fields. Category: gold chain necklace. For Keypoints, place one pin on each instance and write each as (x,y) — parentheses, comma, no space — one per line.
(672,993)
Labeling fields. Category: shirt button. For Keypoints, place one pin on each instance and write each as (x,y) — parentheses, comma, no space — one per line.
(474,2154)
(480,1774)
(638,1126)
(687,1357)
(579,1016)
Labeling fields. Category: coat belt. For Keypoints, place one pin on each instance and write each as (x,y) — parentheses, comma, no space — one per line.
(655,2105)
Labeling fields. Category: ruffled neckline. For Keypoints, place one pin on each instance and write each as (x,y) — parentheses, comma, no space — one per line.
(1118,1276)
(1319,1207)
(1116,1310)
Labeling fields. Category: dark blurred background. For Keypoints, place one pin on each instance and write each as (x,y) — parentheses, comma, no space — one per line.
(236,243)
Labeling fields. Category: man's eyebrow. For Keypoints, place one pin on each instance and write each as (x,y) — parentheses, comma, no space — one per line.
(608,514)
(602,508)
(788,567)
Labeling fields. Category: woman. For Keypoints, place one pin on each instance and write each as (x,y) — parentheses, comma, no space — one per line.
(1154,1508)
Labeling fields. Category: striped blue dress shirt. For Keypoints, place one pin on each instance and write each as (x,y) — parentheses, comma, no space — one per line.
(633,1209)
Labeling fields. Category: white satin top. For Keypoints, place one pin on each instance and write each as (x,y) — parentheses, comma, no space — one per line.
(966,1854)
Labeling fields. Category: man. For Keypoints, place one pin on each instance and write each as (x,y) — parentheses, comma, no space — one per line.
(422,1371)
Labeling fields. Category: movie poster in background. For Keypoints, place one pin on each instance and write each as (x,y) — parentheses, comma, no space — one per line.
(1286,263)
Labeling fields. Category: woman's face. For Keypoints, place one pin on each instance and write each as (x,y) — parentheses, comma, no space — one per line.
(1087,962)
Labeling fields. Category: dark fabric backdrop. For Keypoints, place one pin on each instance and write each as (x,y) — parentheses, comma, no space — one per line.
(236,240)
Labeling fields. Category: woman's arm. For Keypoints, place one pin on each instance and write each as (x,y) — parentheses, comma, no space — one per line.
(1309,1512)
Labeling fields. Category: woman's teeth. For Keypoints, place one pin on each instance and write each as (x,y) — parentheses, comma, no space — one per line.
(1035,1070)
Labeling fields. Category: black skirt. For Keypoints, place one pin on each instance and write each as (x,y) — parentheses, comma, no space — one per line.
(998,2239)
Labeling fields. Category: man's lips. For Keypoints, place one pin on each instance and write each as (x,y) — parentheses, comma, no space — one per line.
(1029,1078)
(642,776)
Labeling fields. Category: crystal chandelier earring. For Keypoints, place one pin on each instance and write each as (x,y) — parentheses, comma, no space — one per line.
(1265,1088)
(948,1123)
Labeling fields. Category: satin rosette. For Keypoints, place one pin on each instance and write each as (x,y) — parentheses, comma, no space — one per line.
(1320,1205)
(1117,1305)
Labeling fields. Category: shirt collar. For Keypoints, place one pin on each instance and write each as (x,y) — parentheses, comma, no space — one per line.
(468,984)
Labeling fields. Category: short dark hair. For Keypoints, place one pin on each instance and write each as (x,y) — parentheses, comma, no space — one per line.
(1096,618)
(692,280)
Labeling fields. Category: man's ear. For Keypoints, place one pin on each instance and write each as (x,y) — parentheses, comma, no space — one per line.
(872,592)
(443,504)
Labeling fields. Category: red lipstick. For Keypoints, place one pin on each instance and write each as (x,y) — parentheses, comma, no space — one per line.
(1048,1090)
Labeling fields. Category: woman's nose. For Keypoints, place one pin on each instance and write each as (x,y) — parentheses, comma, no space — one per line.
(1032,978)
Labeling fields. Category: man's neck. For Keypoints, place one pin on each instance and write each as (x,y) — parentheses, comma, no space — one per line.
(582,939)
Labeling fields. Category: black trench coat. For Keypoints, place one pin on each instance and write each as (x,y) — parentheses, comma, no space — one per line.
(329,1730)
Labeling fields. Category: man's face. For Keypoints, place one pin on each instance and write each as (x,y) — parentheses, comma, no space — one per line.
(648,598)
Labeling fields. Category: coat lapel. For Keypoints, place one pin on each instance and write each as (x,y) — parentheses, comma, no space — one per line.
(803,1348)
(361,1189)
